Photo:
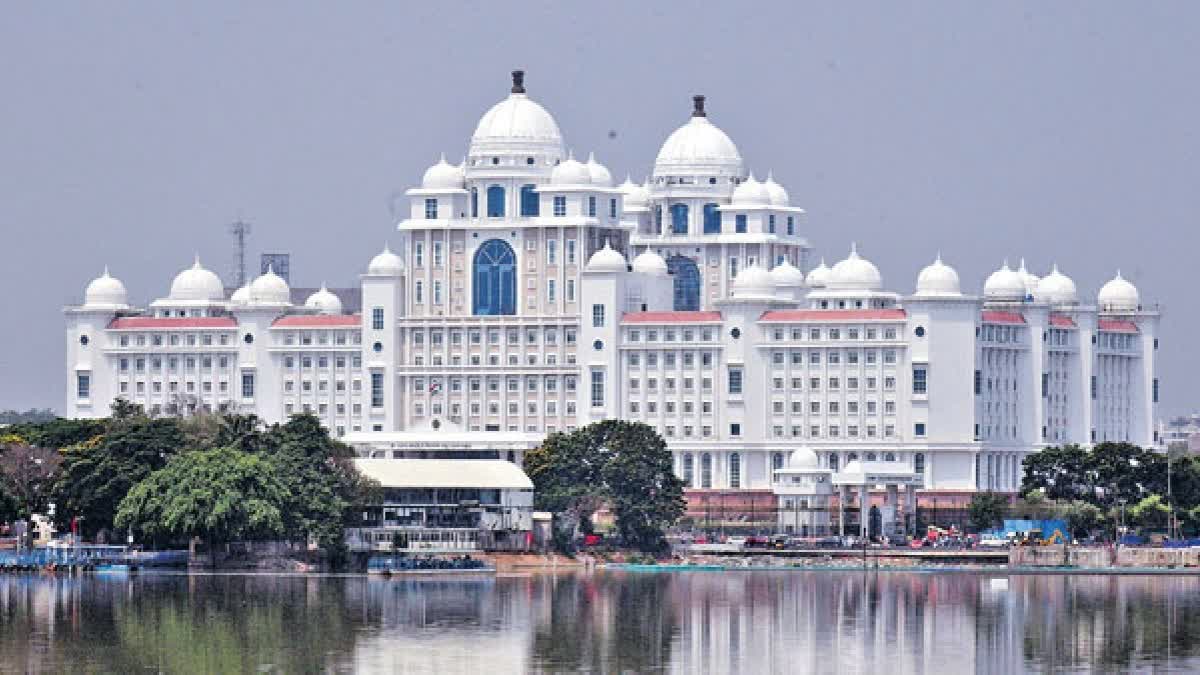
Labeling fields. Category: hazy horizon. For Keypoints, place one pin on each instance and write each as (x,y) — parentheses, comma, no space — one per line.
(131,135)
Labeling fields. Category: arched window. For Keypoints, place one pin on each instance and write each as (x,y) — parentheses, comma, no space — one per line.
(529,201)
(689,470)
(851,457)
(495,201)
(687,282)
(679,219)
(474,202)
(735,470)
(833,461)
(870,457)
(712,219)
(706,470)
(494,289)
(889,456)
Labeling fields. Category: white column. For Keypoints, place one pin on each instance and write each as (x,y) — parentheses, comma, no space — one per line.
(864,499)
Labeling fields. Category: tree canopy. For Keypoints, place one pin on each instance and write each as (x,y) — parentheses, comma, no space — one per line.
(625,465)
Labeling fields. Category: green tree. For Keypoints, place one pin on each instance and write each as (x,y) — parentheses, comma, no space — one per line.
(219,495)
(1060,473)
(623,464)
(1082,518)
(98,473)
(1150,513)
(986,510)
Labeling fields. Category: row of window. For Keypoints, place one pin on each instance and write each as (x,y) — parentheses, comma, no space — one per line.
(493,408)
(834,357)
(155,363)
(798,334)
(438,251)
(529,205)
(686,335)
(492,359)
(306,362)
(328,337)
(548,383)
(174,339)
(711,220)
(533,336)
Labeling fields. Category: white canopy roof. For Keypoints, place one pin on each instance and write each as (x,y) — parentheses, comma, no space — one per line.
(445,473)
(859,472)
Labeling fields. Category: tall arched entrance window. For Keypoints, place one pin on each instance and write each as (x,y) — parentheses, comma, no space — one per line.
(919,463)
(494,277)
(529,201)
(679,219)
(689,470)
(495,201)
(474,202)
(687,283)
(735,471)
(833,461)
(706,470)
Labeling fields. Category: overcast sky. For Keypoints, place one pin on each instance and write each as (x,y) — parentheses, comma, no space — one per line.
(131,134)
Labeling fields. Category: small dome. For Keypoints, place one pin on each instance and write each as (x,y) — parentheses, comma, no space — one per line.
(649,262)
(606,259)
(855,273)
(750,192)
(599,173)
(1031,280)
(571,172)
(517,125)
(386,263)
(241,296)
(1118,295)
(324,302)
(753,282)
(803,458)
(786,274)
(636,196)
(197,283)
(1004,284)
(818,277)
(106,291)
(698,148)
(270,289)
(1056,288)
(938,280)
(779,196)
(443,176)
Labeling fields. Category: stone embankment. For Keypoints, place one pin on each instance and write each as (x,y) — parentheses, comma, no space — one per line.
(1061,555)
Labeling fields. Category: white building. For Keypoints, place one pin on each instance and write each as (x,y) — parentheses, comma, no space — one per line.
(527,294)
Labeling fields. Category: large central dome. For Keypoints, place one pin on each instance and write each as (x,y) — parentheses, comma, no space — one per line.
(518,124)
(698,148)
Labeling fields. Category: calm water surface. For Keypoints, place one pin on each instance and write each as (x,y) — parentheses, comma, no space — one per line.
(688,622)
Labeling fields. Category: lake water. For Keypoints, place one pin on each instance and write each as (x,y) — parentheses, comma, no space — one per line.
(686,622)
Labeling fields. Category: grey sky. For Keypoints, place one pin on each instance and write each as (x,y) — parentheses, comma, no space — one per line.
(131,134)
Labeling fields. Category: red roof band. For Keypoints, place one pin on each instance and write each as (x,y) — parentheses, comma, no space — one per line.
(1117,326)
(318,321)
(1061,321)
(993,316)
(128,322)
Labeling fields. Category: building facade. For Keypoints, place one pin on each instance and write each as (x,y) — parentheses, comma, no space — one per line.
(527,294)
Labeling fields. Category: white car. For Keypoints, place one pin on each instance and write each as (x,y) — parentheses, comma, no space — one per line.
(993,542)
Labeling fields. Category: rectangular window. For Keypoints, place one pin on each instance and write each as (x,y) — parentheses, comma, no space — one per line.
(735,429)
(1094,387)
(551,251)
(437,254)
(791,225)
(733,267)
(437,292)
(376,390)
(247,385)
(377,318)
(431,209)
(920,381)
(550,294)
(592,205)
(598,316)
(612,208)
(570,290)
(739,223)
(1155,386)
(771,223)
(419,254)
(735,381)
(570,251)
(978,382)
(419,292)
(83,385)
(1045,384)
(919,429)
(597,388)
(560,206)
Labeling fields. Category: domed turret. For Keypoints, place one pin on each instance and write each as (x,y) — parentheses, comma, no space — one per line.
(1056,288)
(517,125)
(803,458)
(1118,295)
(1004,284)
(786,275)
(636,196)
(855,273)
(649,262)
(606,259)
(443,176)
(1031,280)
(751,193)
(938,280)
(324,302)
(106,292)
(197,284)
(753,282)
(599,173)
(241,296)
(386,264)
(270,289)
(698,148)
(779,196)
(571,172)
(818,277)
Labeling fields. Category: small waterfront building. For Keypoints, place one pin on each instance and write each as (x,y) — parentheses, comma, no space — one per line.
(804,489)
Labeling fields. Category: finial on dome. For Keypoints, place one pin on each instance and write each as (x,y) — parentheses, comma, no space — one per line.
(386,248)
(106,272)
(1004,265)
(442,159)
(938,258)
(853,249)
(698,106)
(323,286)
(270,268)
(606,243)
(570,154)
(770,175)
(1023,266)
(1054,268)
(196,262)
(518,80)
(591,158)
(1118,271)
(751,177)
